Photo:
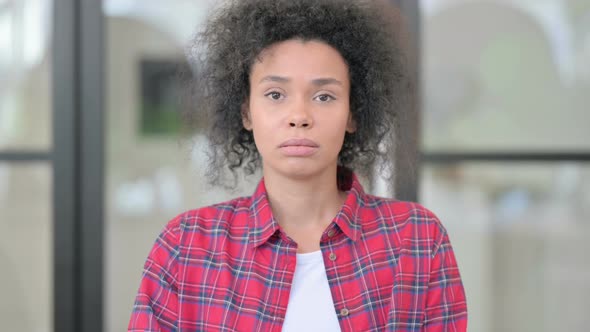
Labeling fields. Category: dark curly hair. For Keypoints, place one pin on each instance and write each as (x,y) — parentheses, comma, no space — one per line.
(366,33)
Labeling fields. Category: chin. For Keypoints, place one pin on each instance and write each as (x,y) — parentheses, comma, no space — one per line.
(299,169)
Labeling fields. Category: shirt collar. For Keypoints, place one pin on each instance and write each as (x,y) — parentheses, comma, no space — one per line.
(263,225)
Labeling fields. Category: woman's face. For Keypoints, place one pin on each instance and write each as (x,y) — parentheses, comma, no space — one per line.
(298,107)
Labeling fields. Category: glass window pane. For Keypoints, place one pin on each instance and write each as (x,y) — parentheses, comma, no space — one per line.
(25,75)
(506,75)
(150,176)
(26,257)
(520,234)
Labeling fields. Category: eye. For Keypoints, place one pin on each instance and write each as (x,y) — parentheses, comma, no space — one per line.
(324,98)
(274,95)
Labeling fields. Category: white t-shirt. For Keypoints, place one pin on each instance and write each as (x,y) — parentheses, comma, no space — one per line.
(310,307)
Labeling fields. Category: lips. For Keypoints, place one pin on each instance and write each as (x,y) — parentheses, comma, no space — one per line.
(298,147)
(299,142)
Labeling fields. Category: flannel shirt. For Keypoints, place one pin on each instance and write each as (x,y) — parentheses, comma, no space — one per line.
(229,267)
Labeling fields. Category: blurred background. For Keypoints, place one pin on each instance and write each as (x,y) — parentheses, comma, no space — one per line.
(92,163)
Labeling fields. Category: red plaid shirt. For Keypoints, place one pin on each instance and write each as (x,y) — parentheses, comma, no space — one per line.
(229,267)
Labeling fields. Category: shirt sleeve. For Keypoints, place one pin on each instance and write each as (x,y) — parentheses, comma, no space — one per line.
(156,304)
(446,306)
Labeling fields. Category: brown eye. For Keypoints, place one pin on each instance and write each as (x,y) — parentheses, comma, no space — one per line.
(274,95)
(324,98)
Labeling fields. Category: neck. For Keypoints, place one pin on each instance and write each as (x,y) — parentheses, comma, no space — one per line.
(304,204)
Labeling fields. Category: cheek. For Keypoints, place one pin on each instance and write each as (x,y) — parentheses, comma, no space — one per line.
(335,125)
(262,132)
(261,124)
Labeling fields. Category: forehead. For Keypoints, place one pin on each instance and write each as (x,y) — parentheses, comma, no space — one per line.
(297,57)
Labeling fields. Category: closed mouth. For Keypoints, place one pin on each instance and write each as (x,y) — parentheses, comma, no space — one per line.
(299,142)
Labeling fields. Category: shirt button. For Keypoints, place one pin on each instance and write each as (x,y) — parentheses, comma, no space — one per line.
(331,233)
(344,312)
(332,256)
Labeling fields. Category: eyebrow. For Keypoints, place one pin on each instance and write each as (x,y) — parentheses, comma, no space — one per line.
(326,81)
(316,82)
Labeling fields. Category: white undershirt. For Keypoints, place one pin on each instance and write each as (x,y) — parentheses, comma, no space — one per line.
(310,307)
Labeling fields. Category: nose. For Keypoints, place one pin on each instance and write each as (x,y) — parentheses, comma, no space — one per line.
(300,116)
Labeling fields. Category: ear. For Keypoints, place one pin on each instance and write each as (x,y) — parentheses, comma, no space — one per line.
(351,124)
(245,111)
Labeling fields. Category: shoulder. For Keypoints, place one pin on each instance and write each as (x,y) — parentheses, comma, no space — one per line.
(224,217)
(407,221)
(399,212)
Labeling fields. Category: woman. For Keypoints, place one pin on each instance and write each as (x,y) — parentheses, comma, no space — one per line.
(308,90)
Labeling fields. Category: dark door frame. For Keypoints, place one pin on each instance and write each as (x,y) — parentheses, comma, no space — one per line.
(406,156)
(78,163)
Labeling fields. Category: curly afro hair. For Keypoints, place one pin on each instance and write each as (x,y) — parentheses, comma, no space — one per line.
(366,33)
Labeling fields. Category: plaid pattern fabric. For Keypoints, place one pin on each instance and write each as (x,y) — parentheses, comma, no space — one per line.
(229,267)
